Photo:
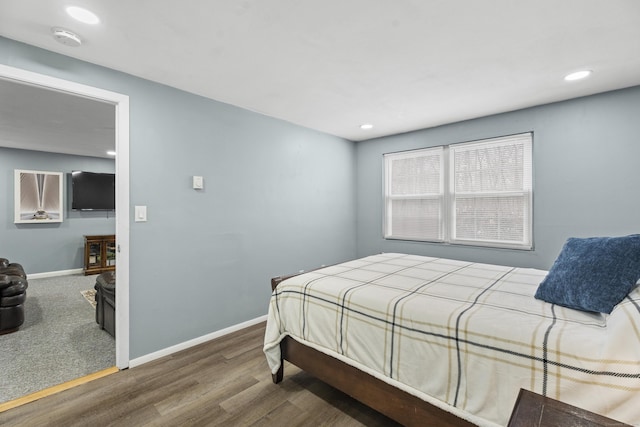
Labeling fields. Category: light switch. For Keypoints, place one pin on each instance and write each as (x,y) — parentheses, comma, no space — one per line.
(198,182)
(141,214)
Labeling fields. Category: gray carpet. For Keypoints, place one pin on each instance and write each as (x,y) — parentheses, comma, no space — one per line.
(59,340)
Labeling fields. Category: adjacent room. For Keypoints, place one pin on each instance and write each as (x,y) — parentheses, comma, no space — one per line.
(63,140)
(329,214)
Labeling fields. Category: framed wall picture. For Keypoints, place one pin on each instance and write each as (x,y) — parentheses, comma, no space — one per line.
(38,197)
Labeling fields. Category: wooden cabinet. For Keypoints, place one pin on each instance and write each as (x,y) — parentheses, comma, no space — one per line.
(99,254)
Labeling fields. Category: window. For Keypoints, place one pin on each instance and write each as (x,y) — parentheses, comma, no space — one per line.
(476,193)
(415,195)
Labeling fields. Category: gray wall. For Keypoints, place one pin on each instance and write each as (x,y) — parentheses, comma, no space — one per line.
(586,176)
(56,246)
(278,198)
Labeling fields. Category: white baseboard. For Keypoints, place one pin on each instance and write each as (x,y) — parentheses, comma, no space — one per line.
(193,342)
(54,273)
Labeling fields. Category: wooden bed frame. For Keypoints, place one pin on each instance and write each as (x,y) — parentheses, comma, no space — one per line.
(397,404)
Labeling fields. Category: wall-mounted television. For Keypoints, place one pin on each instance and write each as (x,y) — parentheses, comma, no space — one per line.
(93,191)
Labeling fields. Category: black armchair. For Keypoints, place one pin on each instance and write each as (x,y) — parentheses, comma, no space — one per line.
(106,302)
(13,293)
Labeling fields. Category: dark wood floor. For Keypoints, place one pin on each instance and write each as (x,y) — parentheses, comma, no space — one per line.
(222,382)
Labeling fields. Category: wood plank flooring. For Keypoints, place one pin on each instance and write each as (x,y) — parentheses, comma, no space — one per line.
(225,382)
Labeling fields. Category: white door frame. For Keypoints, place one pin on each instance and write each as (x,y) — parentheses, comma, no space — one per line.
(121,103)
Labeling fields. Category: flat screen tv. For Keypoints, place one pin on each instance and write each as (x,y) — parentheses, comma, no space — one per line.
(93,191)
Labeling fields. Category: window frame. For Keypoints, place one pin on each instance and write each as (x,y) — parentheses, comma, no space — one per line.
(448,213)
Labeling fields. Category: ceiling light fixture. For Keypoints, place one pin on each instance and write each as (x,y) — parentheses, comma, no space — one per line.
(111,153)
(366,126)
(66,37)
(578,75)
(83,15)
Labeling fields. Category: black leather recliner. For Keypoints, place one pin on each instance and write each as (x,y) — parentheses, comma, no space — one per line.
(13,293)
(106,302)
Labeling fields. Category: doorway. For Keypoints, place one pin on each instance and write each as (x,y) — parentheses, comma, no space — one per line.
(121,104)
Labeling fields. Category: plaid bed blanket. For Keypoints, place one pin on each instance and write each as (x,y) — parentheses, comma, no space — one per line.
(464,336)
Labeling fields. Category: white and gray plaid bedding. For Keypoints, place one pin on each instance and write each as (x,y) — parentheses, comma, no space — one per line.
(464,336)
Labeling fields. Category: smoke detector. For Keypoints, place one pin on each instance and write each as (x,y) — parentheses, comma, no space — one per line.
(66,37)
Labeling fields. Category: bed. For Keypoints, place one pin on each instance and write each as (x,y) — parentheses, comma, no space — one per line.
(432,341)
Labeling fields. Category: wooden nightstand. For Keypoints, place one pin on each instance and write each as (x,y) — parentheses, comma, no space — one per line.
(534,410)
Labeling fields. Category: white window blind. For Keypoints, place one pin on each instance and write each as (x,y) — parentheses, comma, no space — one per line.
(415,195)
(481,196)
(490,186)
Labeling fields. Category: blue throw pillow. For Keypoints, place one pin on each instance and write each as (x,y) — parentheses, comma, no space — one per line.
(593,274)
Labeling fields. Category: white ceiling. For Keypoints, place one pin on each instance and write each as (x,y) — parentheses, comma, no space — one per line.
(332,65)
(38,119)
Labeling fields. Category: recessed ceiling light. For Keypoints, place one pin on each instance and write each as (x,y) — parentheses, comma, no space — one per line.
(83,15)
(366,126)
(111,153)
(577,75)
